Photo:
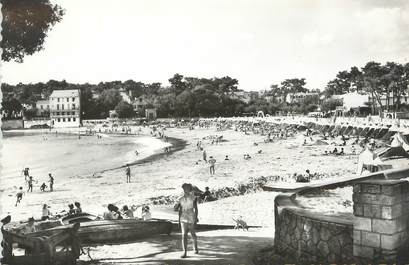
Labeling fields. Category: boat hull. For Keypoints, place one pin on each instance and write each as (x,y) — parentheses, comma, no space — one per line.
(114,231)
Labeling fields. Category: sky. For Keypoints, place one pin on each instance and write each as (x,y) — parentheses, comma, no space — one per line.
(258,42)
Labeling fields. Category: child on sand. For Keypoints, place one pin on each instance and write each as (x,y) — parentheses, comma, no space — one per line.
(51,180)
(43,187)
(146,214)
(127,213)
(188,213)
(30,184)
(26,173)
(45,213)
(71,209)
(19,195)
(78,208)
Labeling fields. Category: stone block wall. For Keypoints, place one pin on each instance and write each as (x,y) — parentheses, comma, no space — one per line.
(380,231)
(302,238)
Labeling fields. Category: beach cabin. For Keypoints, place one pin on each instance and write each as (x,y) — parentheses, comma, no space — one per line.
(65,109)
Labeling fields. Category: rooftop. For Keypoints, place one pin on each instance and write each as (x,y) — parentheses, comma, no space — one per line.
(65,93)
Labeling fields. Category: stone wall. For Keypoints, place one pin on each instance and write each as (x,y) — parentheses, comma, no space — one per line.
(377,231)
(381,219)
(310,239)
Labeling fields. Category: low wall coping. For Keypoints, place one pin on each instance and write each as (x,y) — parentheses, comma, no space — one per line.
(341,219)
(384,182)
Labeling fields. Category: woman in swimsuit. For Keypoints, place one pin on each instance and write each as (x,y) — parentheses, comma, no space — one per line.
(188,213)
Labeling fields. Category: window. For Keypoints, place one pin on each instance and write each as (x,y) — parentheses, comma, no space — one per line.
(58,113)
(63,119)
(58,106)
(73,113)
(69,119)
(73,99)
(73,106)
(68,100)
(48,106)
(63,113)
(58,99)
(62,106)
(41,106)
(73,119)
(59,119)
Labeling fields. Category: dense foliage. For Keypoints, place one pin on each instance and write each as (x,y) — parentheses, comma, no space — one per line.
(25,26)
(376,79)
(185,97)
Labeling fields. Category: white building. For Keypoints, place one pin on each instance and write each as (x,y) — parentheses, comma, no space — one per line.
(298,97)
(42,106)
(65,109)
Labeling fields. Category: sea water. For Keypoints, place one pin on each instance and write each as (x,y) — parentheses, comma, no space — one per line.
(67,155)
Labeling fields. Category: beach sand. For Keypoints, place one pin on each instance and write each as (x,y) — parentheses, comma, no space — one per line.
(165,175)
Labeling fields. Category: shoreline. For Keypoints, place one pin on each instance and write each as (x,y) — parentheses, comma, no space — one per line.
(176,144)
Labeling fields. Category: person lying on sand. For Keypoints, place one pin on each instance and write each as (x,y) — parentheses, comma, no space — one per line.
(247,156)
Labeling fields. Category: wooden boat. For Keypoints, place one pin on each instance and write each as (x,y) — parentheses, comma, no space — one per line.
(114,231)
(93,231)
(61,248)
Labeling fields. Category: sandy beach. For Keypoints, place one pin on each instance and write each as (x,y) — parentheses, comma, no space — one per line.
(163,177)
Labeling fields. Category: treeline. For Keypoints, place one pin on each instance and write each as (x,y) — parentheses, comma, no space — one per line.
(184,97)
(380,81)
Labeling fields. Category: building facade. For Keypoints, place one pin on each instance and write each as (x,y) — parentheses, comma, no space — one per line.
(65,108)
(299,97)
(43,107)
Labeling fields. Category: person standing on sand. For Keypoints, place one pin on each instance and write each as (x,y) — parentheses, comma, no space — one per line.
(128,174)
(204,156)
(212,163)
(30,184)
(26,173)
(188,213)
(51,180)
(19,195)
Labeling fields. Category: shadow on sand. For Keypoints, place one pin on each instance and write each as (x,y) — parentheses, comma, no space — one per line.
(234,247)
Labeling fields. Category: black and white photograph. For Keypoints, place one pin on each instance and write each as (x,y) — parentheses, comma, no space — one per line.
(204,132)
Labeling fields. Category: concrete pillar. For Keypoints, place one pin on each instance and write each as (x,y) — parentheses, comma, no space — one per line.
(380,219)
